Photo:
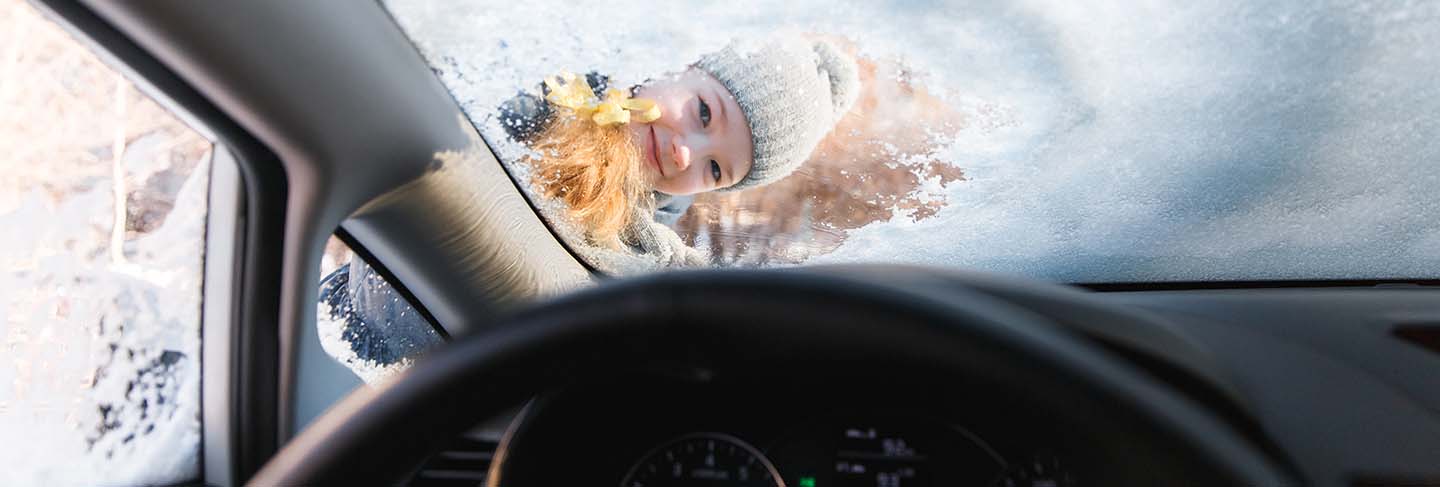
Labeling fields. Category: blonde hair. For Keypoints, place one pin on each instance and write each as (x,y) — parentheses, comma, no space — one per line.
(595,170)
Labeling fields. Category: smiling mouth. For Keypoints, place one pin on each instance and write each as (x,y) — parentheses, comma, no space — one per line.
(655,152)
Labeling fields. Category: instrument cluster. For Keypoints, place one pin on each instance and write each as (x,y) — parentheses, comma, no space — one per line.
(847,451)
(739,435)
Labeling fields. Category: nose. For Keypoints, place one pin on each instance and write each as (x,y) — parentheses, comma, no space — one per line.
(679,152)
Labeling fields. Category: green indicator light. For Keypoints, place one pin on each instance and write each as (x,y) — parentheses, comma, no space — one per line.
(807,481)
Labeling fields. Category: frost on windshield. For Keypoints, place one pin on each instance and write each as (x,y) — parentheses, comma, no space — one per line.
(1096,141)
(103,198)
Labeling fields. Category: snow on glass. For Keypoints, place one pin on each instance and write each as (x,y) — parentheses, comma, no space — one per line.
(1098,141)
(103,199)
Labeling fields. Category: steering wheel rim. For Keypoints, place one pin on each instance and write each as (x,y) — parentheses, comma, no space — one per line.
(848,313)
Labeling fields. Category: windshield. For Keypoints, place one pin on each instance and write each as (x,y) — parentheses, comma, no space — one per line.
(1080,142)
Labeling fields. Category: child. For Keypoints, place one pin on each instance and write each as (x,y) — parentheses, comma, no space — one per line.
(739,118)
(885,160)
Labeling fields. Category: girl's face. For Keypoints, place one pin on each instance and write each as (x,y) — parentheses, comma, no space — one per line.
(701,141)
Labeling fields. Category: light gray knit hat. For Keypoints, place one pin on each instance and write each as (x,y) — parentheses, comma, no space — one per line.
(792,91)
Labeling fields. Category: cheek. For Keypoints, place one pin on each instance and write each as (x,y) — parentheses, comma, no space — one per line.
(672,109)
(671,102)
(681,184)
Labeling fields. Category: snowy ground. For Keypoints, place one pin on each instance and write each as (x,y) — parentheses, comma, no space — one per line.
(1158,140)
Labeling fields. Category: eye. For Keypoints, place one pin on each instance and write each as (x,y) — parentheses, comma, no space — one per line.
(704,114)
(715,170)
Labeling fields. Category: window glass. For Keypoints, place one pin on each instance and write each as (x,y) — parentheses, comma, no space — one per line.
(365,323)
(103,202)
(1092,142)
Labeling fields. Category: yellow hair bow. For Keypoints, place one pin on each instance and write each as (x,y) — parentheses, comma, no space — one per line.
(573,92)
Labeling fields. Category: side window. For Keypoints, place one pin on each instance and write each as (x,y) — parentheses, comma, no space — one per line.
(365,323)
(103,207)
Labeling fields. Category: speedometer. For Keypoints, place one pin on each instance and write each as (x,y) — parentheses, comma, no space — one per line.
(703,459)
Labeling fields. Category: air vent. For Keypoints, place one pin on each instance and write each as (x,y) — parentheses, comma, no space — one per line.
(462,463)
(1427,336)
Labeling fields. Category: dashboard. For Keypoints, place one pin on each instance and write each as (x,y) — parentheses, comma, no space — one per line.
(1343,384)
(744,434)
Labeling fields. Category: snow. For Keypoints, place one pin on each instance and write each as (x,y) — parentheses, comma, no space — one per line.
(103,356)
(1110,140)
(99,308)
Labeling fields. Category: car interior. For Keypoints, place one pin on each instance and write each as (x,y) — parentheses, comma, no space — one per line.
(554,373)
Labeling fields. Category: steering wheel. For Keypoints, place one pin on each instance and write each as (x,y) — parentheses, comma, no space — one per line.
(951,324)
